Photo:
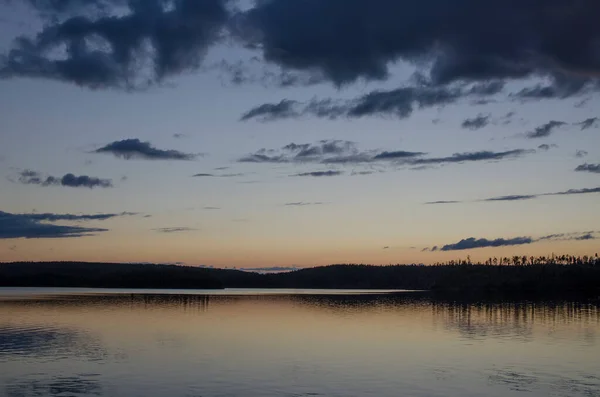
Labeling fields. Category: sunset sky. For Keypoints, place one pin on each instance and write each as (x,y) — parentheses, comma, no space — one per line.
(298,132)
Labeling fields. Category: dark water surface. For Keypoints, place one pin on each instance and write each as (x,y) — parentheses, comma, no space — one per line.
(284,343)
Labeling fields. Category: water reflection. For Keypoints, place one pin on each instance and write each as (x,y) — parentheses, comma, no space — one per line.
(295,345)
(59,386)
(47,342)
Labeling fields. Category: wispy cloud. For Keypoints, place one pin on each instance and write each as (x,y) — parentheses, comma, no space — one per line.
(476,123)
(29,177)
(581,153)
(398,103)
(337,152)
(136,149)
(174,229)
(521,197)
(318,174)
(589,123)
(515,197)
(474,156)
(545,130)
(303,203)
(545,147)
(209,175)
(272,111)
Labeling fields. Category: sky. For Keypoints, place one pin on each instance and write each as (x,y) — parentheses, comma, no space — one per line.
(298,132)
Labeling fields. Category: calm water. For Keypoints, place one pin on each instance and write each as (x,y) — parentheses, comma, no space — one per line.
(91,343)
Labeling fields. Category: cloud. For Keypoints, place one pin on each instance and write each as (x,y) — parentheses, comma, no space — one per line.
(589,123)
(29,177)
(272,111)
(400,154)
(202,175)
(474,156)
(476,123)
(575,192)
(35,225)
(515,197)
(304,153)
(399,103)
(134,148)
(518,197)
(302,204)
(338,152)
(149,42)
(595,168)
(472,242)
(463,40)
(319,174)
(545,147)
(581,153)
(131,44)
(174,229)
(211,208)
(545,130)
(179,136)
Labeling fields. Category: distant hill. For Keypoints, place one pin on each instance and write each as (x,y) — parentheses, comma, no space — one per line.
(104,275)
(547,278)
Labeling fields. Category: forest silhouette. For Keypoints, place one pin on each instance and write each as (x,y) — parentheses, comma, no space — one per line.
(551,276)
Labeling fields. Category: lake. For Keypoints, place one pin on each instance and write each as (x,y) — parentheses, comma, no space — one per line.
(263,343)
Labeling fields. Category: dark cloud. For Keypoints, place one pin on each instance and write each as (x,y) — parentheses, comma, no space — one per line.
(400,154)
(472,242)
(125,44)
(153,40)
(29,177)
(512,198)
(442,202)
(174,229)
(134,148)
(319,174)
(302,204)
(203,175)
(179,136)
(50,217)
(41,225)
(272,111)
(545,130)
(398,103)
(581,153)
(589,123)
(476,123)
(468,40)
(595,168)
